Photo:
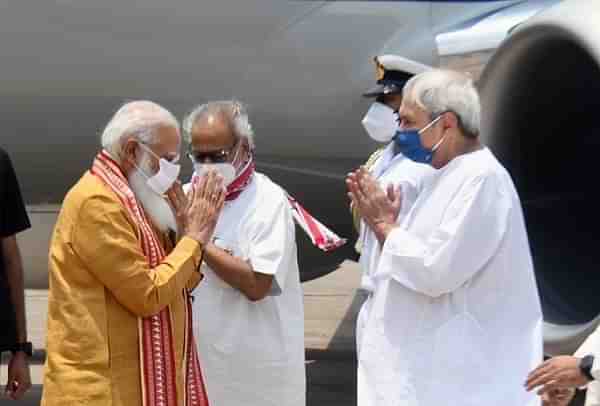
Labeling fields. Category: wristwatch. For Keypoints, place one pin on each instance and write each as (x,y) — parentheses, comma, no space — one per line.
(585,365)
(26,347)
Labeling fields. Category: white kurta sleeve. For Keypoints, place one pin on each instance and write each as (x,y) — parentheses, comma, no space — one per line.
(271,249)
(469,234)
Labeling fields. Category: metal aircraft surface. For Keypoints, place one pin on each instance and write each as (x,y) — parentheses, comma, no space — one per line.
(301,67)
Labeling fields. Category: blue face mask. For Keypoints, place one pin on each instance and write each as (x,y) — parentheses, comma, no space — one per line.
(408,142)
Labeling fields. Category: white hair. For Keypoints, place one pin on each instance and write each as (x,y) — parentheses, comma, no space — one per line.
(139,119)
(437,91)
(233,110)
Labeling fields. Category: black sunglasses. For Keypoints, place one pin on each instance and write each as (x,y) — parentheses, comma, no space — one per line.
(213,156)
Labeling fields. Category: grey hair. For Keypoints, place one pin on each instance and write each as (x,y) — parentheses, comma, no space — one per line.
(139,119)
(437,91)
(233,110)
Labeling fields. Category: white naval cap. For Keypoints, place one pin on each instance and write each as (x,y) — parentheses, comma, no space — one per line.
(392,72)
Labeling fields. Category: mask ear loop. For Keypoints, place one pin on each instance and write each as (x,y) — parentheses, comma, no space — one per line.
(436,146)
(428,126)
(237,151)
(245,162)
(144,174)
(435,120)
(147,149)
(141,171)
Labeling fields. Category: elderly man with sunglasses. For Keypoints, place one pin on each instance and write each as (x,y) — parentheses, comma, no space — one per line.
(249,307)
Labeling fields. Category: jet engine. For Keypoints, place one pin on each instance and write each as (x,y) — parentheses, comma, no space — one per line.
(541,116)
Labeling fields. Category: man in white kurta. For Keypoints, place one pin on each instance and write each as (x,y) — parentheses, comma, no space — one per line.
(455,318)
(249,308)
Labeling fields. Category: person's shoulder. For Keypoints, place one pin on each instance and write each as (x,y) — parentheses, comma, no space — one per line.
(93,195)
(266,185)
(269,192)
(482,167)
(476,164)
(489,166)
(5,160)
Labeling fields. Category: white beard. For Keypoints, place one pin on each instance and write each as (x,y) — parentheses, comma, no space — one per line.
(155,206)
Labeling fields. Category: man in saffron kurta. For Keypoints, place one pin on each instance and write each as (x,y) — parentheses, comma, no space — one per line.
(113,269)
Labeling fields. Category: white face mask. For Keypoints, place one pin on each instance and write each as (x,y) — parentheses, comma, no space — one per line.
(165,177)
(380,122)
(226,170)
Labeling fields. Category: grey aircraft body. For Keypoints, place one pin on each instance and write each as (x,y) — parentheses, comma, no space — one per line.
(301,67)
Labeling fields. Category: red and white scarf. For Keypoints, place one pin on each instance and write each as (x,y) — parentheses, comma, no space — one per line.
(157,355)
(241,181)
(321,236)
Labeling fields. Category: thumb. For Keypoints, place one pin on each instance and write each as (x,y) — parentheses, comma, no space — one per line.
(397,194)
(391,192)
